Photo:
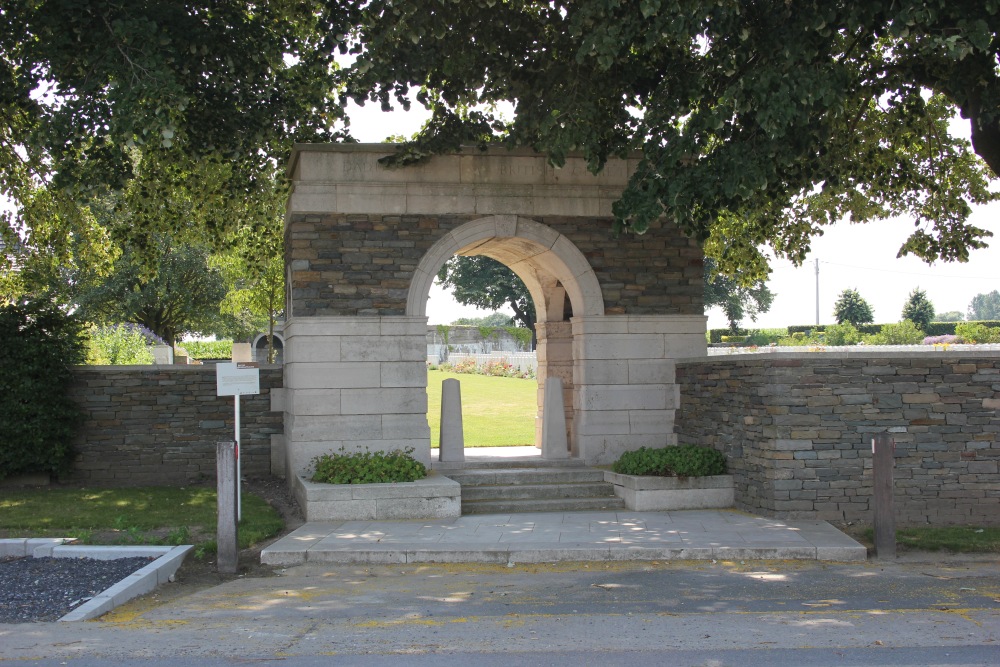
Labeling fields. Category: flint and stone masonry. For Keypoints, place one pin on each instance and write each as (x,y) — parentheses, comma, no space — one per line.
(797,431)
(364,242)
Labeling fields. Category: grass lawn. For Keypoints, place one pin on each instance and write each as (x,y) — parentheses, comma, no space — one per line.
(955,539)
(496,411)
(142,515)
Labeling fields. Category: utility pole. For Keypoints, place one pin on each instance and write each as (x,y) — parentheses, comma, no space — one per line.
(817,291)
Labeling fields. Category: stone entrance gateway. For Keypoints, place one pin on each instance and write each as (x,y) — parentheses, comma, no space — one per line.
(364,243)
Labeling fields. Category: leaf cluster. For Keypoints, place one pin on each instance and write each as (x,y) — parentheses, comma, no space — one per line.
(37,416)
(678,461)
(368,468)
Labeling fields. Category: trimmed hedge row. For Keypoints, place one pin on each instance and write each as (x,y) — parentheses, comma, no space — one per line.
(934,329)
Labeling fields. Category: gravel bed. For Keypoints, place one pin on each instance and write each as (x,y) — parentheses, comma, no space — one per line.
(46,589)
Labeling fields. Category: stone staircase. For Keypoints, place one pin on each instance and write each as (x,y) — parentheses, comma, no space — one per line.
(533,485)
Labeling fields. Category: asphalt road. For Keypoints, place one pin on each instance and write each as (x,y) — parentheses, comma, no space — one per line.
(691,613)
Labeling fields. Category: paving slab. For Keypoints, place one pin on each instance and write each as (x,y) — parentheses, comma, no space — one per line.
(565,536)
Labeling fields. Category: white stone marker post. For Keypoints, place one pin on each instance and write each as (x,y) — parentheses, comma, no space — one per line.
(226,534)
(554,442)
(452,446)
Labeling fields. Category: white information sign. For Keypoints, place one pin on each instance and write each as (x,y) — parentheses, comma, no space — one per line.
(237,379)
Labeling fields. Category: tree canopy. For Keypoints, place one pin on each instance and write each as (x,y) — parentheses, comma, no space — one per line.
(985,306)
(852,307)
(486,283)
(736,300)
(918,309)
(759,123)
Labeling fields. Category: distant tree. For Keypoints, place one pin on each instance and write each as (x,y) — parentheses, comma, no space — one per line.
(180,293)
(851,307)
(486,283)
(736,300)
(951,316)
(919,309)
(985,307)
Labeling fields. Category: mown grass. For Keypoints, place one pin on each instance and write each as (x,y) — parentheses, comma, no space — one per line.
(496,411)
(955,539)
(141,515)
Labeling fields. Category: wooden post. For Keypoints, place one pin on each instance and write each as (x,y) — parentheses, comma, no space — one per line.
(226,535)
(883,449)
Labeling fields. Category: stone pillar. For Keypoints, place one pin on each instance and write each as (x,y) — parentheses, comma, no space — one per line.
(452,445)
(554,442)
(355,383)
(554,352)
(625,392)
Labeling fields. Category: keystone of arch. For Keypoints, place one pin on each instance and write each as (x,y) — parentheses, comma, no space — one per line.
(530,249)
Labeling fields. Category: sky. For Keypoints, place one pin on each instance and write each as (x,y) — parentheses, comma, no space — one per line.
(850,256)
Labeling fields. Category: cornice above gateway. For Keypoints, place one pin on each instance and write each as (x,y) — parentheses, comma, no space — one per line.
(347,178)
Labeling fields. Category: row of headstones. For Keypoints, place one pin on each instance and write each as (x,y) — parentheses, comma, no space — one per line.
(452,442)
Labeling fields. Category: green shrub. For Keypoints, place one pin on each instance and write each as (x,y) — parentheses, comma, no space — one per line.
(977,332)
(841,334)
(118,344)
(679,461)
(368,468)
(37,416)
(901,333)
(208,349)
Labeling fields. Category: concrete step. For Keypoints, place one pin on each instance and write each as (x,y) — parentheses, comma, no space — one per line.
(544,505)
(519,476)
(484,463)
(537,491)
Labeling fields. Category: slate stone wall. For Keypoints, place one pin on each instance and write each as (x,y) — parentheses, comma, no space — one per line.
(797,430)
(351,265)
(158,425)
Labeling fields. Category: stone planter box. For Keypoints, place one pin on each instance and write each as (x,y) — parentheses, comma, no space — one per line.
(650,494)
(434,497)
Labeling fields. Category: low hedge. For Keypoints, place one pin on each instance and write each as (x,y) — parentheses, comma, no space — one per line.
(678,461)
(368,468)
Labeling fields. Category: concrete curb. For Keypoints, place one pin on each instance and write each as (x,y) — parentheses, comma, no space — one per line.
(160,571)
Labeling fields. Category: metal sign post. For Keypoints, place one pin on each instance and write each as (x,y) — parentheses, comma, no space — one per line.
(236,379)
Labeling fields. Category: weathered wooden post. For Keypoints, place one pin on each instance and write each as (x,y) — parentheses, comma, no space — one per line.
(883,461)
(226,534)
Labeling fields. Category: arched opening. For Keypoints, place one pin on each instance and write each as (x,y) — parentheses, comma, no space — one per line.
(556,274)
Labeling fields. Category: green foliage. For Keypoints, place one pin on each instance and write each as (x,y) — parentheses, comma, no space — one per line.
(182,293)
(679,461)
(208,349)
(950,316)
(735,299)
(841,334)
(985,306)
(754,336)
(977,332)
(851,307)
(118,344)
(486,283)
(368,468)
(918,309)
(37,416)
(901,333)
(521,335)
(759,123)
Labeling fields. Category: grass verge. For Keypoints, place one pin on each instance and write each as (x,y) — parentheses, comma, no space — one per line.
(496,411)
(141,515)
(954,539)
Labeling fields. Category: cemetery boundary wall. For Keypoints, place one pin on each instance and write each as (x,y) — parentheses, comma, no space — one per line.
(158,425)
(797,428)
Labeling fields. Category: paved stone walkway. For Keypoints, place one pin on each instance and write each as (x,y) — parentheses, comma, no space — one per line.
(565,536)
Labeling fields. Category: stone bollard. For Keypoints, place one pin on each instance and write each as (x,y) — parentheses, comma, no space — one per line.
(554,443)
(452,447)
